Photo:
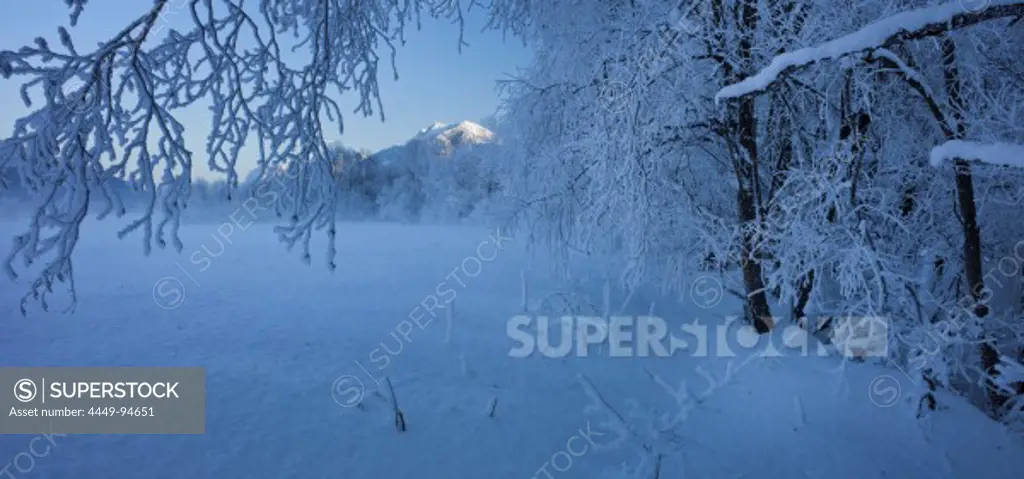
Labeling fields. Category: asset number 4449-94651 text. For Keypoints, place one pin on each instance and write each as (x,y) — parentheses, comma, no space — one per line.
(109,411)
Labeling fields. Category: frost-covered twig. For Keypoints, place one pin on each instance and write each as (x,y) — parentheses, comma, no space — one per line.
(449,313)
(1011,375)
(492,407)
(399,415)
(523,292)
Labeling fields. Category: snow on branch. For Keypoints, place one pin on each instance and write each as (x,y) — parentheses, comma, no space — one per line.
(914,24)
(1006,154)
(1011,374)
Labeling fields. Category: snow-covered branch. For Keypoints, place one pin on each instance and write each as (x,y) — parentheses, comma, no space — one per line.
(898,28)
(1006,154)
(1011,374)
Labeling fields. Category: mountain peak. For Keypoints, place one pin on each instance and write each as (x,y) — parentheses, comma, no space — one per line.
(444,138)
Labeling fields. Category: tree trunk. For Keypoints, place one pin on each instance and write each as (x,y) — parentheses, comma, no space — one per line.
(747,195)
(803,296)
(968,212)
(760,314)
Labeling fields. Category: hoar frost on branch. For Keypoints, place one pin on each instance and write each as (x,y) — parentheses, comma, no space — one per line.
(113,112)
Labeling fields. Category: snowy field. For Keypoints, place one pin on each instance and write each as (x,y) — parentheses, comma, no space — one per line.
(285,346)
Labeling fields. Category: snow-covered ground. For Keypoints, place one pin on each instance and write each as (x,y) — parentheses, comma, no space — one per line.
(285,346)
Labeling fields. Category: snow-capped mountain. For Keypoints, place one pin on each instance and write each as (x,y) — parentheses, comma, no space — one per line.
(447,137)
(438,139)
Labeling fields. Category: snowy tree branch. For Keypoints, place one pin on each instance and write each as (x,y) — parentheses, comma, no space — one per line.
(889,31)
(992,153)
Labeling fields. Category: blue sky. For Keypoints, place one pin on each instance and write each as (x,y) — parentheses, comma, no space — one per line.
(436,83)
